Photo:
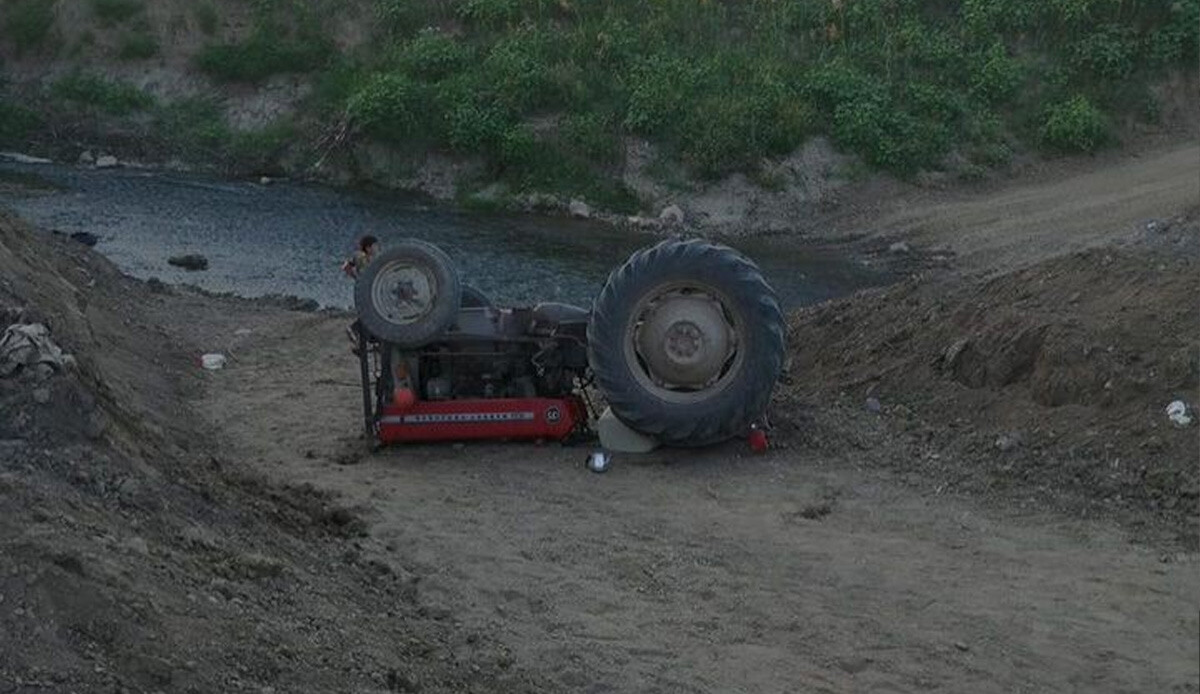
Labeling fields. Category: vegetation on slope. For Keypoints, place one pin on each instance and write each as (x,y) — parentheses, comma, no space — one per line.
(545,91)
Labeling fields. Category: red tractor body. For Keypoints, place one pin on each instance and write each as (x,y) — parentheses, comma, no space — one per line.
(550,419)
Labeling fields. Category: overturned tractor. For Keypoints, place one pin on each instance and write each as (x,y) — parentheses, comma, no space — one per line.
(684,342)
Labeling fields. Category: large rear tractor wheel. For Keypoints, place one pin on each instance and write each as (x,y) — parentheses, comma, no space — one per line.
(687,341)
(409,294)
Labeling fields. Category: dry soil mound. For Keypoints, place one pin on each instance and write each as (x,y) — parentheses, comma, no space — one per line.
(1048,383)
(133,560)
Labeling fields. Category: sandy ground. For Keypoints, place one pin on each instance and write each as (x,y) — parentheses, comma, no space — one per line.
(715,571)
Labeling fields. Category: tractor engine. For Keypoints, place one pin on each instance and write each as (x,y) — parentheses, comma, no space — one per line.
(494,353)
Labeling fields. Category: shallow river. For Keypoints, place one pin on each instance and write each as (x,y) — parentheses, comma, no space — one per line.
(288,238)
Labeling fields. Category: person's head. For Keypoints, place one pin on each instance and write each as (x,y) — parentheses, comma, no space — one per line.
(368,244)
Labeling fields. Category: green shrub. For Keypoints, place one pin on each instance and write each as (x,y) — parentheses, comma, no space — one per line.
(515,71)
(476,128)
(93,92)
(206,17)
(432,56)
(519,150)
(592,136)
(138,47)
(116,11)
(1075,125)
(994,75)
(258,151)
(28,23)
(264,54)
(713,135)
(889,137)
(660,90)
(390,107)
(1107,53)
(489,13)
(17,123)
(194,128)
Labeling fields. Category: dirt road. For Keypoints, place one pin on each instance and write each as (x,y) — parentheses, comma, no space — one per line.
(1032,221)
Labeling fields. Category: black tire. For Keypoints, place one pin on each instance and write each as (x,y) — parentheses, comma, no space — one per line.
(408,321)
(473,297)
(724,283)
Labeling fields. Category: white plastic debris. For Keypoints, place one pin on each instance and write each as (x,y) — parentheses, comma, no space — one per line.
(1177,412)
(213,362)
(598,461)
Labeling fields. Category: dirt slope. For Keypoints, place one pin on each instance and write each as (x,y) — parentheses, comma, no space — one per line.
(135,557)
(1048,385)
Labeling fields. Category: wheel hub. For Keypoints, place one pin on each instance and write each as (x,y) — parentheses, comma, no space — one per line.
(684,341)
(404,293)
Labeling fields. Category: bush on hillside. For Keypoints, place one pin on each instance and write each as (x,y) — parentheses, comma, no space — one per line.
(262,55)
(28,23)
(96,93)
(1075,125)
(390,107)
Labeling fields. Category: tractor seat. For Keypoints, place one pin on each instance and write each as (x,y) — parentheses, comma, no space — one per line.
(553,313)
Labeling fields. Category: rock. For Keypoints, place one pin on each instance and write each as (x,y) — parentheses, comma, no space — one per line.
(106,161)
(672,214)
(899,247)
(86,238)
(1178,413)
(1007,442)
(41,395)
(137,545)
(86,158)
(854,664)
(874,406)
(579,209)
(643,222)
(191,262)
(961,646)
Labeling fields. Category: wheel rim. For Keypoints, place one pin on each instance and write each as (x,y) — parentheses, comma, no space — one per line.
(403,292)
(684,342)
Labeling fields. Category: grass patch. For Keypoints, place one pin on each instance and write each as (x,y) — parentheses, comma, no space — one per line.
(28,23)
(138,47)
(111,12)
(194,129)
(260,150)
(262,55)
(17,123)
(96,93)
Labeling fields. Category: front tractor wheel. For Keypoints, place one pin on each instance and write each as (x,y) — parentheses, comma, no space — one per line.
(409,295)
(687,341)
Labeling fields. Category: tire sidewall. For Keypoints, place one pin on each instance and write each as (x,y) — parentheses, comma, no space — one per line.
(740,286)
(445,301)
